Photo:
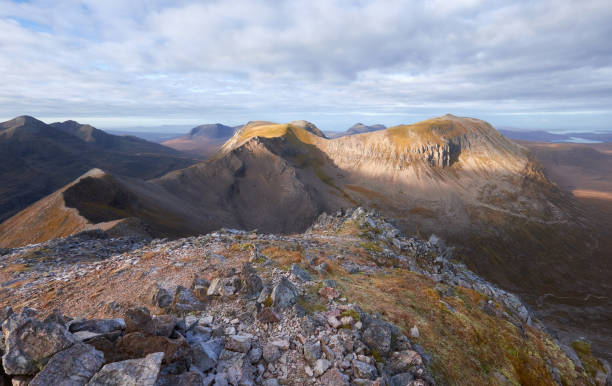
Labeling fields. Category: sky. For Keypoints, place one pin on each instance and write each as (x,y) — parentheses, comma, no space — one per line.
(114,63)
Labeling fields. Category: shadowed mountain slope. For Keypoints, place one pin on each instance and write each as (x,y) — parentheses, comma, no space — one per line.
(37,158)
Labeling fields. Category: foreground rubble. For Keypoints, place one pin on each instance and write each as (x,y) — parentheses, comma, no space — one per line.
(239,308)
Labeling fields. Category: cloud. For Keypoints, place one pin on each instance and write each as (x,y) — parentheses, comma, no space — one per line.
(330,61)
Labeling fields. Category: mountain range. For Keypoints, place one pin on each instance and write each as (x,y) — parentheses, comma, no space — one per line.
(39,158)
(455,177)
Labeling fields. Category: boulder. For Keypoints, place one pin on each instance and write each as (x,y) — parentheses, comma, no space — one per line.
(271,353)
(224,286)
(403,361)
(205,355)
(71,367)
(251,282)
(333,377)
(199,287)
(329,293)
(300,272)
(5,313)
(312,352)
(30,343)
(160,297)
(401,379)
(239,343)
(56,317)
(364,370)
(132,372)
(236,368)
(100,326)
(138,319)
(320,367)
(378,337)
(284,294)
(163,325)
(186,301)
(267,315)
(190,378)
(138,345)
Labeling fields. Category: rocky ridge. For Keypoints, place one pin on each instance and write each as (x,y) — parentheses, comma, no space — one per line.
(239,308)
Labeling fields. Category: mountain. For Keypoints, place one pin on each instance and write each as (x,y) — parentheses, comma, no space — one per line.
(457,178)
(359,128)
(203,140)
(39,158)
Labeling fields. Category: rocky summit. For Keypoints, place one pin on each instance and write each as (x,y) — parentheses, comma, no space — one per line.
(351,301)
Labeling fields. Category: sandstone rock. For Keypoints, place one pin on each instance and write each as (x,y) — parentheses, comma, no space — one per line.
(378,337)
(312,352)
(329,293)
(300,272)
(132,372)
(239,343)
(30,343)
(284,294)
(320,367)
(138,319)
(282,344)
(364,370)
(347,321)
(185,301)
(71,367)
(160,297)
(138,345)
(206,354)
(333,321)
(403,361)
(199,287)
(308,371)
(267,315)
(100,326)
(414,332)
(271,353)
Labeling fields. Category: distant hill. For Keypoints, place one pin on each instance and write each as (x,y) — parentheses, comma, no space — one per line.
(359,128)
(202,140)
(38,158)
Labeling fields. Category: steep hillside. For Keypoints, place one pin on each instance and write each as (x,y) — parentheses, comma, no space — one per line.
(39,158)
(203,140)
(350,301)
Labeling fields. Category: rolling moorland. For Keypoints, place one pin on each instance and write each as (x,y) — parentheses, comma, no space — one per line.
(504,210)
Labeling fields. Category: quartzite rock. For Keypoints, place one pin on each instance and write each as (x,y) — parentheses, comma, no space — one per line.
(132,372)
(70,367)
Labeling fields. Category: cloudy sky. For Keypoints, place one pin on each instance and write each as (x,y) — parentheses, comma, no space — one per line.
(117,63)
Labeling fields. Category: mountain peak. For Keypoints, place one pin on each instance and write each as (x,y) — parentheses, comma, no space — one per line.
(21,121)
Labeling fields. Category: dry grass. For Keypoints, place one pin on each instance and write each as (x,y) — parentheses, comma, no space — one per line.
(283,257)
(468,346)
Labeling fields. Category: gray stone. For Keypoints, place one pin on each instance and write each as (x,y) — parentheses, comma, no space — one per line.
(312,352)
(270,382)
(71,367)
(206,354)
(284,294)
(267,315)
(255,354)
(403,361)
(138,319)
(224,286)
(239,343)
(402,379)
(186,301)
(5,313)
(271,353)
(101,326)
(160,297)
(251,282)
(364,370)
(236,367)
(132,372)
(320,367)
(30,343)
(300,272)
(378,337)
